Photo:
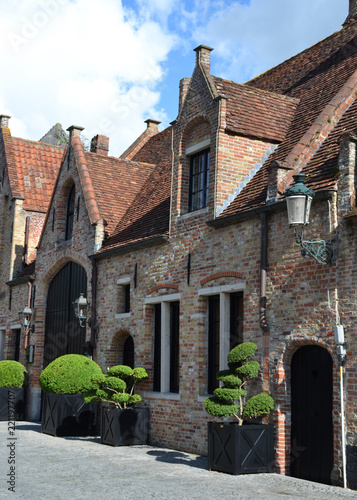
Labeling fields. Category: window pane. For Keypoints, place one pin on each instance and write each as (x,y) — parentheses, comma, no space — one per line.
(236,319)
(174,346)
(198,190)
(157,347)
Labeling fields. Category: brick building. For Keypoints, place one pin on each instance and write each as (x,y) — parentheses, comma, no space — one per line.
(183,248)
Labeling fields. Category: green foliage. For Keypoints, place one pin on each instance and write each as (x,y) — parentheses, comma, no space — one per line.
(12,374)
(227,401)
(70,374)
(241,353)
(117,386)
(249,370)
(259,405)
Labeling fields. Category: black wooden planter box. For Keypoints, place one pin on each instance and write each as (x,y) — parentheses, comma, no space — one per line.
(124,427)
(245,449)
(68,415)
(12,403)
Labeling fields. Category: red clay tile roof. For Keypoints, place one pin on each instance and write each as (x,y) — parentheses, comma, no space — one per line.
(115,183)
(148,215)
(256,113)
(32,170)
(314,76)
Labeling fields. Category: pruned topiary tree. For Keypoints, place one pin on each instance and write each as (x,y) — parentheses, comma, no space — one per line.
(117,386)
(228,400)
(69,374)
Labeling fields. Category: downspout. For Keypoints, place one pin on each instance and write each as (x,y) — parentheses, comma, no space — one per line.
(263,271)
(27,329)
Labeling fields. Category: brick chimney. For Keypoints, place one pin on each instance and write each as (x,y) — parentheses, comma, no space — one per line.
(73,131)
(184,86)
(100,145)
(203,56)
(352,12)
(152,126)
(4,120)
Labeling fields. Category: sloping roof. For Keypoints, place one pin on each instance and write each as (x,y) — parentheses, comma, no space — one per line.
(314,76)
(256,113)
(32,170)
(116,183)
(148,215)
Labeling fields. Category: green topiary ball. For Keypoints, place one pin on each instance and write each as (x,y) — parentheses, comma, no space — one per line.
(70,374)
(12,374)
(259,405)
(241,352)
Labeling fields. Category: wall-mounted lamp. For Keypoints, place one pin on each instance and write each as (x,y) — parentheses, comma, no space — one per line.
(340,343)
(298,201)
(25,316)
(81,306)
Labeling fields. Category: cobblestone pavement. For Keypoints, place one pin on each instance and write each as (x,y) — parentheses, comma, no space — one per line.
(47,467)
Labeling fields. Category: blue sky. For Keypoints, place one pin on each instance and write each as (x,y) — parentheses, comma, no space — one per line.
(109,65)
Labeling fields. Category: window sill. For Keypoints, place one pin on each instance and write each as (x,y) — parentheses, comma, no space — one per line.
(122,315)
(201,399)
(63,243)
(162,395)
(195,213)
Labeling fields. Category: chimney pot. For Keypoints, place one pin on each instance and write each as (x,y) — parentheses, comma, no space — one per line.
(100,145)
(4,120)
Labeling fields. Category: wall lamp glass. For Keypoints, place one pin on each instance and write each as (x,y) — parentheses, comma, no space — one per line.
(298,200)
(81,306)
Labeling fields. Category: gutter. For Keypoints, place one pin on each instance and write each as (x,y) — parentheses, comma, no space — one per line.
(154,240)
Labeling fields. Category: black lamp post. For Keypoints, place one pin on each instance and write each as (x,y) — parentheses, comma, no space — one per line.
(298,200)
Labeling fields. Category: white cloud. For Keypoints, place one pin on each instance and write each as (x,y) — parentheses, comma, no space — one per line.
(74,61)
(249,38)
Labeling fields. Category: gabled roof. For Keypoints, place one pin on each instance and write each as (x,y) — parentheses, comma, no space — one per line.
(148,215)
(256,113)
(32,170)
(321,78)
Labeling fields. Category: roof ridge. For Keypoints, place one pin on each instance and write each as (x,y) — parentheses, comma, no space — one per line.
(86,181)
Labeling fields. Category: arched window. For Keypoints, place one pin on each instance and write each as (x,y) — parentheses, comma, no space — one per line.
(70,213)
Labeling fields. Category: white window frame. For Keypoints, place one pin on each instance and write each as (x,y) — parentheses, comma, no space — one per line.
(165,301)
(224,292)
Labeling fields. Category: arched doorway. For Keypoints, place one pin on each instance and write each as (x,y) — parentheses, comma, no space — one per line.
(311,414)
(63,334)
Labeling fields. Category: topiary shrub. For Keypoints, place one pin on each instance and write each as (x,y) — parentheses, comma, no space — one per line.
(117,386)
(227,401)
(70,374)
(12,374)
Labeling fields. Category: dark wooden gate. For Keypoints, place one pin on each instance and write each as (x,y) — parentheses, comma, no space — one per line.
(311,407)
(63,334)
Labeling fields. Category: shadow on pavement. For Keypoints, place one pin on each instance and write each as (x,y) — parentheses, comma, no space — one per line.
(176,457)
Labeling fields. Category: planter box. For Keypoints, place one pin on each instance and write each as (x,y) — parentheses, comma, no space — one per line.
(124,427)
(245,449)
(68,415)
(12,403)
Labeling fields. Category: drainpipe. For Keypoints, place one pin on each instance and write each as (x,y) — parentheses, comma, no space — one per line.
(27,329)
(263,271)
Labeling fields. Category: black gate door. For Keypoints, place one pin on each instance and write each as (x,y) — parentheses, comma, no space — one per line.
(63,334)
(311,405)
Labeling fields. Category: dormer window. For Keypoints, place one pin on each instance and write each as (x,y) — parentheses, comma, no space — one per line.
(199,176)
(70,213)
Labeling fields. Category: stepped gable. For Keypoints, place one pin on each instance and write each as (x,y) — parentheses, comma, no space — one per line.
(148,215)
(314,77)
(256,113)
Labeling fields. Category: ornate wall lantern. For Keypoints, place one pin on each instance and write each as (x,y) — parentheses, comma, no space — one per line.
(81,306)
(25,316)
(298,200)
